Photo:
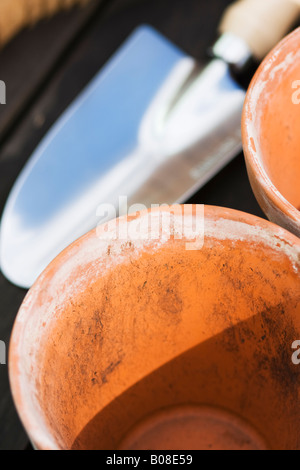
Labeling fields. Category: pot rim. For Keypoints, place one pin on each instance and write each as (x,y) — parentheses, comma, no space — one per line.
(34,424)
(253,156)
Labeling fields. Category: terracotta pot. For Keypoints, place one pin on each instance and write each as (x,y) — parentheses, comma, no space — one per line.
(271,123)
(161,344)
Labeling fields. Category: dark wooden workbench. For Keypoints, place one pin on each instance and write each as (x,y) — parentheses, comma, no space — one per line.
(44,68)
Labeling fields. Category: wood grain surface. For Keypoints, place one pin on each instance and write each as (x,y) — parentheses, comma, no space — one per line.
(18,14)
(45,68)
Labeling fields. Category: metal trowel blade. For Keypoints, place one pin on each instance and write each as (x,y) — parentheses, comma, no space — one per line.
(150,126)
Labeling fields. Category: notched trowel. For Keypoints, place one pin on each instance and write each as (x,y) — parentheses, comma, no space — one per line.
(151,126)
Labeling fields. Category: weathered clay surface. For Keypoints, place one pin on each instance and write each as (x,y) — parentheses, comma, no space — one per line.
(193,428)
(271,123)
(115,332)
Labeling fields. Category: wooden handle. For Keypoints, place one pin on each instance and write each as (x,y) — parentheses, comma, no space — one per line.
(16,14)
(261,23)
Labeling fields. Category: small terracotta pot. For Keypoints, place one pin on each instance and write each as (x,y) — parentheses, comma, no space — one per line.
(270,127)
(161,344)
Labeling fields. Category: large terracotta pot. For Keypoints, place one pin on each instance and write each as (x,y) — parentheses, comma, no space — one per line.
(271,124)
(161,344)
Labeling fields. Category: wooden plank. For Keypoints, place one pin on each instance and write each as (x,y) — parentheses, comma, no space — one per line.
(25,66)
(27,61)
(18,14)
(12,435)
(190,24)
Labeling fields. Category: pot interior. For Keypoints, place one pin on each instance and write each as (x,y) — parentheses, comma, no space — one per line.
(168,347)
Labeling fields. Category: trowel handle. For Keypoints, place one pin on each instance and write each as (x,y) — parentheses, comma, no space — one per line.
(260,23)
